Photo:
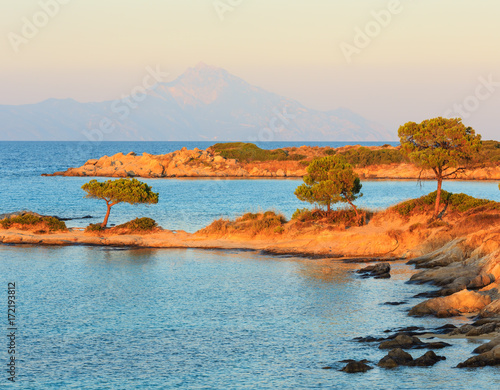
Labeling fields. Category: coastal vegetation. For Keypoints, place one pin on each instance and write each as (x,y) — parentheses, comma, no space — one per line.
(453,203)
(442,145)
(364,157)
(330,180)
(238,159)
(117,191)
(248,152)
(339,217)
(137,226)
(250,223)
(40,224)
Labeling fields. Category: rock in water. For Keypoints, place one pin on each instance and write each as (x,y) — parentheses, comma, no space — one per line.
(490,358)
(395,357)
(398,357)
(427,360)
(378,271)
(487,346)
(354,366)
(464,301)
(401,341)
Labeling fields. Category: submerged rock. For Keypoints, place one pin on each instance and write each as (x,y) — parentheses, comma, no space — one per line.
(378,271)
(354,366)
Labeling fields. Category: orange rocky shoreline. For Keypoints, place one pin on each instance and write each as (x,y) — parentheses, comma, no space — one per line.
(209,164)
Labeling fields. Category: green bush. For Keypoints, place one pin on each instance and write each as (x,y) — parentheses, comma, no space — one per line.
(139,224)
(279,229)
(248,152)
(52,223)
(6,223)
(455,202)
(249,216)
(463,202)
(94,227)
(489,153)
(302,215)
(362,156)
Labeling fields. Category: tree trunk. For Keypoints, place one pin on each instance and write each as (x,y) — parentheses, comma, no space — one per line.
(438,196)
(354,207)
(328,209)
(105,222)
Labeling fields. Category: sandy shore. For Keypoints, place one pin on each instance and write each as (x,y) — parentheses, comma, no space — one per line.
(356,242)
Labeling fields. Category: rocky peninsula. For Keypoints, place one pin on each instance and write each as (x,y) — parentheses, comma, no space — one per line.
(238,160)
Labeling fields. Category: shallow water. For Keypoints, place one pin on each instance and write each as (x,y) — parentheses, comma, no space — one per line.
(98,318)
(104,318)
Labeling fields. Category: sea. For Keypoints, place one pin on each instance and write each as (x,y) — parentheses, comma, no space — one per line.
(124,318)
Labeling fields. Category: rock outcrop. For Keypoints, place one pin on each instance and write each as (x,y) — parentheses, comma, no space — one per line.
(462,302)
(490,358)
(182,163)
(207,163)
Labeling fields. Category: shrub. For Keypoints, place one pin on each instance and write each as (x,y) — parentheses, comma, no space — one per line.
(51,223)
(342,216)
(302,215)
(249,216)
(6,223)
(455,202)
(248,223)
(248,152)
(279,229)
(362,156)
(463,202)
(139,224)
(94,227)
(54,224)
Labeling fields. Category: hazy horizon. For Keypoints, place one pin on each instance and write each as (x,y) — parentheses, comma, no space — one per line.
(423,59)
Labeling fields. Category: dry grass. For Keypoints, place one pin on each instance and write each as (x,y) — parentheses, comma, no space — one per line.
(251,224)
(342,216)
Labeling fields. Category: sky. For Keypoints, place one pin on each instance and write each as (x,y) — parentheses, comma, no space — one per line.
(390,61)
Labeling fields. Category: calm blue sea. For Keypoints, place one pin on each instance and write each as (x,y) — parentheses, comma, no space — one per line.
(115,318)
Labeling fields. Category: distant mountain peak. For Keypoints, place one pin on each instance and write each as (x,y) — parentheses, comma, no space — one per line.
(202,66)
(205,102)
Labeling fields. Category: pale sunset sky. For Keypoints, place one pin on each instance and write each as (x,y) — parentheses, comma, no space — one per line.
(421,59)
